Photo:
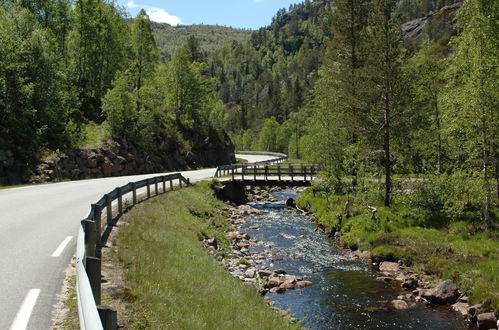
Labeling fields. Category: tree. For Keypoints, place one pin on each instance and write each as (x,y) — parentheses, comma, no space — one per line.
(194,50)
(36,105)
(383,45)
(472,99)
(425,70)
(98,49)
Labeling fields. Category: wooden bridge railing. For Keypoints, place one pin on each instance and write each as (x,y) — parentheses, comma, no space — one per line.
(280,171)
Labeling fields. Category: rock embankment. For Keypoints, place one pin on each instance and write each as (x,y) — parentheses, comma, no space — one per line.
(421,288)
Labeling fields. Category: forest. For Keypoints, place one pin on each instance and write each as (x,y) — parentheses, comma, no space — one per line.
(73,73)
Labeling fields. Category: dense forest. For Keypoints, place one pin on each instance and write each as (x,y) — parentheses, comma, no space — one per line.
(210,37)
(69,66)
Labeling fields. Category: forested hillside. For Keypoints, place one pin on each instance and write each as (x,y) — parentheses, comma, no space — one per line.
(67,65)
(210,37)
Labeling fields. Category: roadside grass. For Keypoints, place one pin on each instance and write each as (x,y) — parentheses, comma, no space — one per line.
(173,280)
(15,186)
(241,161)
(446,250)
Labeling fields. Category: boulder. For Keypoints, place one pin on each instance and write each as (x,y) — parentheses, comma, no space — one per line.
(487,321)
(212,242)
(250,273)
(384,279)
(387,266)
(280,271)
(302,284)
(399,304)
(273,282)
(287,285)
(264,272)
(443,294)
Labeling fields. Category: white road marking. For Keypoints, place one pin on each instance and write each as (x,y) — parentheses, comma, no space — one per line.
(62,246)
(22,317)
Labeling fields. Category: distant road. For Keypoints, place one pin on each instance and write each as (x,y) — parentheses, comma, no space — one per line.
(38,228)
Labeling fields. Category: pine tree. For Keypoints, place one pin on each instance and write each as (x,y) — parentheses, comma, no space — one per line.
(383,45)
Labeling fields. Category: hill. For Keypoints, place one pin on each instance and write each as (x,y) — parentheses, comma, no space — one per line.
(211,37)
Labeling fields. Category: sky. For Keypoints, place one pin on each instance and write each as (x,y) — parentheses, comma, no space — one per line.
(248,14)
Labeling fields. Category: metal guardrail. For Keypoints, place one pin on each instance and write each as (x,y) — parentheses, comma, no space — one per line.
(92,236)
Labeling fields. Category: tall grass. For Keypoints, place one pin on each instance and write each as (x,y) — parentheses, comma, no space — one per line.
(176,284)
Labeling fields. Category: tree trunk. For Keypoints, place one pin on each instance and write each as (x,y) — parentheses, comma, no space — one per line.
(386,147)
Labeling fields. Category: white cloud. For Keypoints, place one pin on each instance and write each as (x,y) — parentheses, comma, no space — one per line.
(156,14)
(131,4)
(161,16)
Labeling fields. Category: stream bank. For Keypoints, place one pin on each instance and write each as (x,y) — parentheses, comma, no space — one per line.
(304,273)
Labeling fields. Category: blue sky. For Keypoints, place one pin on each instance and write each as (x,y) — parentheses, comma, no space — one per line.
(249,14)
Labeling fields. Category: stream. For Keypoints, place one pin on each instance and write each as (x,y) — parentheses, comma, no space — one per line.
(345,294)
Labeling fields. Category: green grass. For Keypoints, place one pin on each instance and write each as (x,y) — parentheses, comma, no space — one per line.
(446,250)
(15,186)
(241,161)
(175,282)
(93,135)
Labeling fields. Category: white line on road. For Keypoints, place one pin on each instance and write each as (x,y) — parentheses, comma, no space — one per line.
(61,246)
(22,317)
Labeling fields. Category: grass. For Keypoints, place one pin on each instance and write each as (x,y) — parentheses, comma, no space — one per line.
(93,135)
(15,186)
(173,280)
(447,250)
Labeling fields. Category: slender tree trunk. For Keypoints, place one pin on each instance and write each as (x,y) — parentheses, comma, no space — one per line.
(485,140)
(386,146)
(439,135)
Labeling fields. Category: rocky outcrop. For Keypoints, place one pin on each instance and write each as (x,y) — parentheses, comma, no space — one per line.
(444,16)
(122,158)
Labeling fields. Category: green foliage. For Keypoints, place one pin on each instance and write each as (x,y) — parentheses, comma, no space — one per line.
(36,104)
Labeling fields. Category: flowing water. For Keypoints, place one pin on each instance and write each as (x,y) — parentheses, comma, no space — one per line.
(345,294)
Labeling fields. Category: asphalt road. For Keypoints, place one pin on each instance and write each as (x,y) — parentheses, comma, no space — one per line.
(38,229)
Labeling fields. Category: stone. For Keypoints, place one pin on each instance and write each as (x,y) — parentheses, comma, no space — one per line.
(250,273)
(212,242)
(474,310)
(276,290)
(232,235)
(302,284)
(280,271)
(487,321)
(387,266)
(264,272)
(384,279)
(410,284)
(287,285)
(443,294)
(399,304)
(273,282)
(461,307)
(363,255)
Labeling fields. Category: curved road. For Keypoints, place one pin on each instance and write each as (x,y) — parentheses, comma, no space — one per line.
(38,228)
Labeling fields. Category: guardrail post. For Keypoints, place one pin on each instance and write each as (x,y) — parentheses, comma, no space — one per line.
(156,185)
(120,201)
(188,181)
(242,172)
(232,171)
(164,184)
(93,268)
(148,189)
(291,171)
(180,182)
(254,172)
(90,237)
(108,317)
(279,172)
(305,173)
(109,209)
(97,219)
(134,193)
(171,184)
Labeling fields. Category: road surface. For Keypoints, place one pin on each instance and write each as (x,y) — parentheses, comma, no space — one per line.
(38,229)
